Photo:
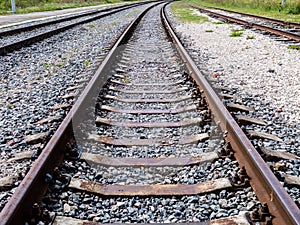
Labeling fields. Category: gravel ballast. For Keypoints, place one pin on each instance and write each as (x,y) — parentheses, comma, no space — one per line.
(146,45)
(260,71)
(259,66)
(43,80)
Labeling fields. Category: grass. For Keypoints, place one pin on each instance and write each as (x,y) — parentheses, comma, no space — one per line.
(249,37)
(209,31)
(185,14)
(126,79)
(218,22)
(27,6)
(46,65)
(236,33)
(86,62)
(296,47)
(268,8)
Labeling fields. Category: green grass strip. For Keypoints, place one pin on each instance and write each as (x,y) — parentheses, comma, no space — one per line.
(186,14)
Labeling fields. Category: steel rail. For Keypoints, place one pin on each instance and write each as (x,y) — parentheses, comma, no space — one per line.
(59,20)
(263,181)
(271,20)
(270,30)
(27,41)
(43,24)
(34,185)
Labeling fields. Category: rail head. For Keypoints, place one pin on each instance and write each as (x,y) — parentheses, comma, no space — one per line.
(264,182)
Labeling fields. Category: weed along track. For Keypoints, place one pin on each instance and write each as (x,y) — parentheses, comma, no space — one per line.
(287,30)
(283,24)
(149,141)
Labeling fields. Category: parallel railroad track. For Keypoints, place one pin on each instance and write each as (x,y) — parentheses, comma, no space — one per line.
(152,112)
(36,32)
(279,29)
(270,20)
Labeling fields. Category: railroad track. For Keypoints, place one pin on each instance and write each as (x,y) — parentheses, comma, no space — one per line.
(282,23)
(54,56)
(269,25)
(157,116)
(14,38)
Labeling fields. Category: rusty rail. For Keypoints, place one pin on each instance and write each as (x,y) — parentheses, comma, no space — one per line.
(271,20)
(71,17)
(270,30)
(263,181)
(27,41)
(34,185)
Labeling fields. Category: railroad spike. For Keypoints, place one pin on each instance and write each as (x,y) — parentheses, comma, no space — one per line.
(265,208)
(264,211)
(21,175)
(243,174)
(227,152)
(262,215)
(36,154)
(229,148)
(222,153)
(207,115)
(71,151)
(235,180)
(45,216)
(269,221)
(36,211)
(240,179)
(35,214)
(57,175)
(254,216)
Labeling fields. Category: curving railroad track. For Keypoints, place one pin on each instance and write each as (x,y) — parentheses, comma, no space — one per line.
(147,114)
(269,25)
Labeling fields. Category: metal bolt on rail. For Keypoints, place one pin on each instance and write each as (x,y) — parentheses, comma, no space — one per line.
(261,216)
(36,214)
(71,152)
(227,152)
(265,213)
(242,174)
(45,217)
(254,216)
(240,179)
